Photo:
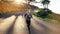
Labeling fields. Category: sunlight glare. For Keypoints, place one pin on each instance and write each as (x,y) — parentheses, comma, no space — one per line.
(19,1)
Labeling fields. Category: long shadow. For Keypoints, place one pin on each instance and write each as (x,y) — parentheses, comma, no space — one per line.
(10,31)
(46,29)
(8,15)
(5,15)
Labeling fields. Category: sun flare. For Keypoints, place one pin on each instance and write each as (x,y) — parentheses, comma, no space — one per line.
(19,1)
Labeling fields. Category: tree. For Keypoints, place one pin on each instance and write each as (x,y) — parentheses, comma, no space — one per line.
(45,3)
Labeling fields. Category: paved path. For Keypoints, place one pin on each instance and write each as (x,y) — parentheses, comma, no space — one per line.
(20,26)
(17,25)
(41,27)
(6,24)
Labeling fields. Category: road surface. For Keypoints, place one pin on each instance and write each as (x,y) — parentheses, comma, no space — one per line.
(17,25)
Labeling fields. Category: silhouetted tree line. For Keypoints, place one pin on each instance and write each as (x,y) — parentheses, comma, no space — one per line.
(45,3)
(45,11)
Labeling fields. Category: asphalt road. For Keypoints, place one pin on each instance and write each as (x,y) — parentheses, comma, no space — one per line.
(17,25)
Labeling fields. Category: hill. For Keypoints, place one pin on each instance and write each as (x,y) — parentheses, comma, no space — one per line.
(51,18)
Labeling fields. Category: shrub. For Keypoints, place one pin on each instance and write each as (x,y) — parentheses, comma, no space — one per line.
(43,13)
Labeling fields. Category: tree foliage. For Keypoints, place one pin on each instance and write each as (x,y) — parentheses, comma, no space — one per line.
(45,3)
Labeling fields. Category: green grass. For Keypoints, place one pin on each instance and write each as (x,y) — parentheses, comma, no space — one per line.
(51,18)
(51,21)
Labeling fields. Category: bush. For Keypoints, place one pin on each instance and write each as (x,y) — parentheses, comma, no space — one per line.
(43,13)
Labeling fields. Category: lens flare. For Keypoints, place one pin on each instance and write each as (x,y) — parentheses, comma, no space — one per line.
(19,1)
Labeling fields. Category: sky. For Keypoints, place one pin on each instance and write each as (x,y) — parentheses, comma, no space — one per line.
(54,5)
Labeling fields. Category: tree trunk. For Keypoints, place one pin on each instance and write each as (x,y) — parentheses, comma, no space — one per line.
(47,6)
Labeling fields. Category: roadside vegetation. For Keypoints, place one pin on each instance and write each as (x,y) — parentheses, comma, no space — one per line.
(48,16)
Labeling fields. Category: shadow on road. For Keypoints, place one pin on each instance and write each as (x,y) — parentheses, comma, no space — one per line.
(5,15)
(10,31)
(8,15)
